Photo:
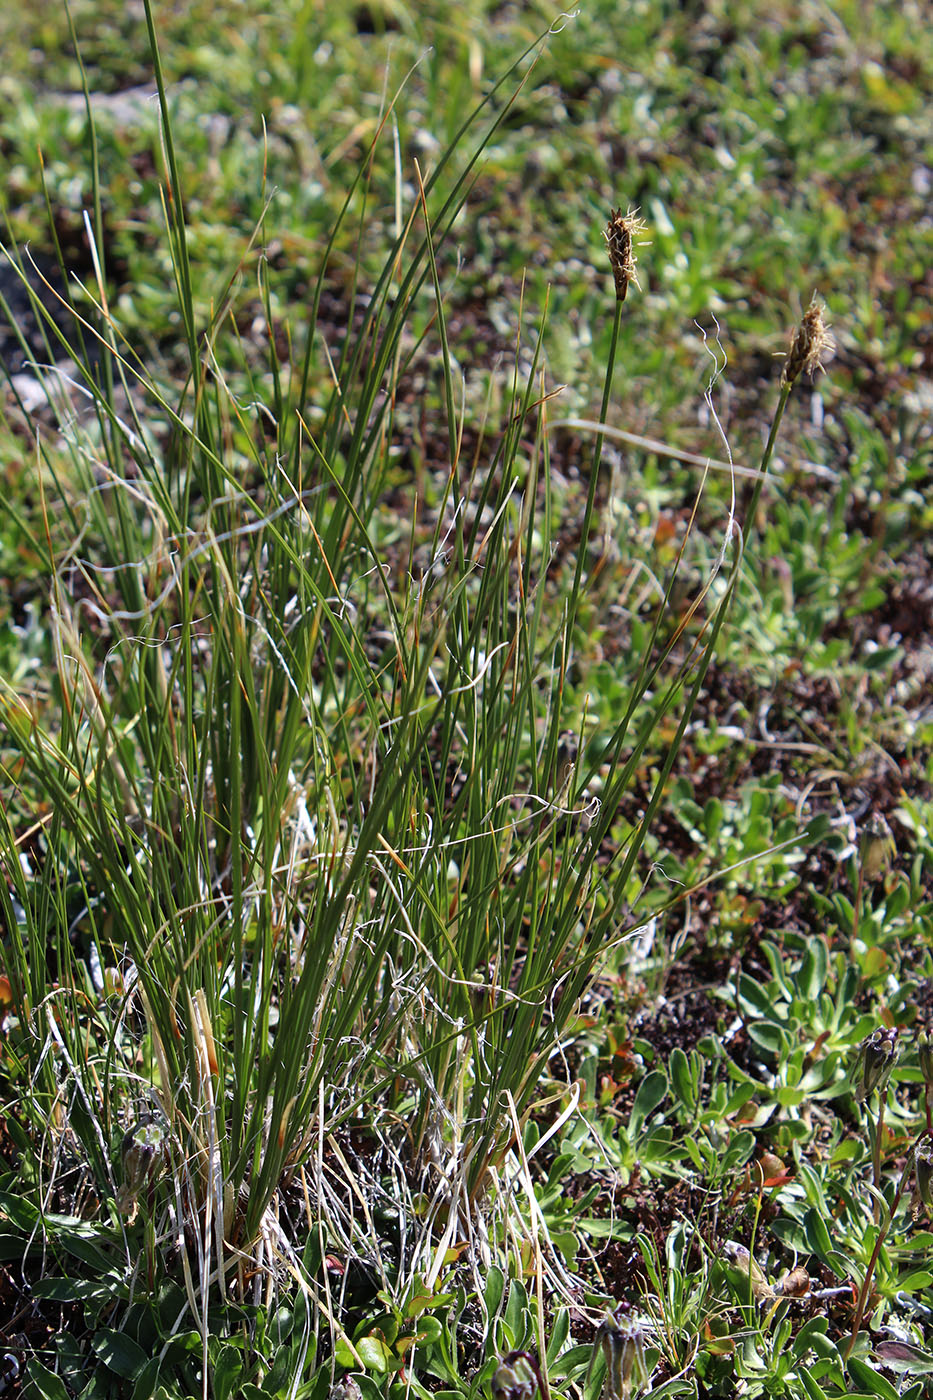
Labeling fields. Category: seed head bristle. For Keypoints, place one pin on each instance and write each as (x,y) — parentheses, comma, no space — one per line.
(620,238)
(811,341)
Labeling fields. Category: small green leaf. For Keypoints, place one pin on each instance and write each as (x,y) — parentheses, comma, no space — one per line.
(741,1146)
(70,1290)
(560,1330)
(681,1079)
(869,1379)
(81,1247)
(769,1036)
(373,1353)
(48,1385)
(429,1330)
(846,1151)
(791,1233)
(119,1353)
(145,1387)
(713,814)
(813,1327)
(567,1242)
(874,963)
(344,1354)
(426,1302)
(495,1284)
(383,1325)
(559,1169)
(227,1372)
(516,1310)
(820,1243)
(651,1092)
(810,1385)
(754,998)
(811,979)
(19,1211)
(740,1098)
(921,1241)
(569,1361)
(693,1152)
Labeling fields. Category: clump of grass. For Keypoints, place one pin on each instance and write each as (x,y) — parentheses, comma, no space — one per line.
(297,863)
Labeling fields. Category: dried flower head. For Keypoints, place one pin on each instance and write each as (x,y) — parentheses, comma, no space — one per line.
(811,341)
(517,1377)
(621,232)
(923,1176)
(738,1256)
(142,1155)
(622,1343)
(876,1058)
(794,1284)
(876,846)
(345,1389)
(925,1055)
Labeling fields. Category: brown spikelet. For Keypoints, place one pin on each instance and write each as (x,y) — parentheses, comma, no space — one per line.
(811,341)
(620,237)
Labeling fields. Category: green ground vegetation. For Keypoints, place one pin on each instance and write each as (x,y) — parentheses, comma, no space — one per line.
(464,718)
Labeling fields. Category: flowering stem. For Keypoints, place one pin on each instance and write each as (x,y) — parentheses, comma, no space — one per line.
(882,1236)
(769,449)
(876,1154)
(857,910)
(597,450)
